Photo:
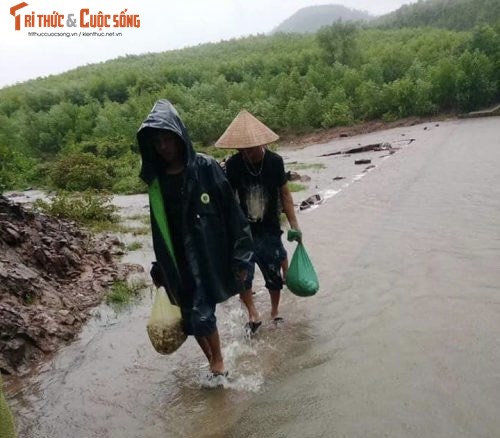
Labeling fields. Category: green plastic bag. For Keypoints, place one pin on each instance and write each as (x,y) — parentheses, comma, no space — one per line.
(301,278)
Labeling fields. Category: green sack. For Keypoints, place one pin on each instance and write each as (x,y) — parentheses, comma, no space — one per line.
(301,278)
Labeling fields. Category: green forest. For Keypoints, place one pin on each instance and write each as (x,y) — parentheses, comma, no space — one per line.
(76,131)
(449,14)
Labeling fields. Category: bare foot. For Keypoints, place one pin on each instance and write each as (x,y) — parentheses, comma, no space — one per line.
(217,367)
(254,317)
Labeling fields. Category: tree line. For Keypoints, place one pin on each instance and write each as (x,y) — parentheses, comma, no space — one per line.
(449,14)
(77,130)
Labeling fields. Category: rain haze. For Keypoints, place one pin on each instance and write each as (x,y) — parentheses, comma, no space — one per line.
(163,26)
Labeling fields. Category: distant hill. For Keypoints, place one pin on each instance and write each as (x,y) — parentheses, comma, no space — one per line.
(449,14)
(310,19)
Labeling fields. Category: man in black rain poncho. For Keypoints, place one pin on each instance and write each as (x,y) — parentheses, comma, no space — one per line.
(202,241)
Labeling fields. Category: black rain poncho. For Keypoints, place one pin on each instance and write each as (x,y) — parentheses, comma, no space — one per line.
(216,235)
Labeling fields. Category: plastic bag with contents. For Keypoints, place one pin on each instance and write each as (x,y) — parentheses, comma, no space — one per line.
(165,327)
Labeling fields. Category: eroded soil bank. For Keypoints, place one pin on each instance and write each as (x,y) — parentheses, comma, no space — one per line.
(51,274)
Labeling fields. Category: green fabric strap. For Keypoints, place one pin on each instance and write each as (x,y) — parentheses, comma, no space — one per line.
(158,208)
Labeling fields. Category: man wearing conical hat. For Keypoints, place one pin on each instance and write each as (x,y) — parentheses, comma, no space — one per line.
(258,178)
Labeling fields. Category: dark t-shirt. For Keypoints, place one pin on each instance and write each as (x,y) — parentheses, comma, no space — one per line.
(258,188)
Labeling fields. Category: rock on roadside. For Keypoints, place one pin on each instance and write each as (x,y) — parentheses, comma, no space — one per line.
(52,274)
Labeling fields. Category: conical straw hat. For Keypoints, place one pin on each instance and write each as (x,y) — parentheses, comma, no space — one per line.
(245,131)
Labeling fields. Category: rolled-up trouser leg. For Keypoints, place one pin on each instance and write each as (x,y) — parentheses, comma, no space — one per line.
(200,320)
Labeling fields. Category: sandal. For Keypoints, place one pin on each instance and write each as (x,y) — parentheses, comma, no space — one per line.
(251,327)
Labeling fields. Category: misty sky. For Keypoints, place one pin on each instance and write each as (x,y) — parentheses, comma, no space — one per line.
(165,25)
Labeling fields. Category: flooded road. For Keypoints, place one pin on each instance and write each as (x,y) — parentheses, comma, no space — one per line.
(402,340)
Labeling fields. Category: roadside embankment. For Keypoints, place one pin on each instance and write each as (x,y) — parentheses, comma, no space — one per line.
(52,273)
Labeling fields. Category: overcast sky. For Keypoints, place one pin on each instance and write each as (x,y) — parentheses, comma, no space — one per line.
(165,25)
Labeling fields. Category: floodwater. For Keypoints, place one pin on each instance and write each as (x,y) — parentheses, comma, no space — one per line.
(402,340)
